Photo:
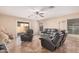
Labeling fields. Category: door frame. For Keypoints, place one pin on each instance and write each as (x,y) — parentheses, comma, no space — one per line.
(21,21)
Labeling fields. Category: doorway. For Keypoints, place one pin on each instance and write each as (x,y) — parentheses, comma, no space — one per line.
(22,27)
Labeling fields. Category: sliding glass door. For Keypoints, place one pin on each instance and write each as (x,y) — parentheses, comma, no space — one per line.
(73,26)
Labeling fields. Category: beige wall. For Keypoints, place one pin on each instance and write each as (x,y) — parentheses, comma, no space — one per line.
(35,26)
(10,23)
(59,22)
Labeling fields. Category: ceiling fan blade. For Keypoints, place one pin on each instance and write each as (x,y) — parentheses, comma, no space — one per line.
(30,15)
(41,15)
(46,8)
(51,6)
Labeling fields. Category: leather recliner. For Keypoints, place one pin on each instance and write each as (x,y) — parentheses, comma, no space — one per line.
(27,36)
(3,48)
(53,40)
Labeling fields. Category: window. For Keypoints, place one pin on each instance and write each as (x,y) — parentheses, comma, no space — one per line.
(73,26)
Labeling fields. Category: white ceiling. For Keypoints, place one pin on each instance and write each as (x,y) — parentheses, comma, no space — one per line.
(28,11)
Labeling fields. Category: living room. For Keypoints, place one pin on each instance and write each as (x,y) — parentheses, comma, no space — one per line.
(16,21)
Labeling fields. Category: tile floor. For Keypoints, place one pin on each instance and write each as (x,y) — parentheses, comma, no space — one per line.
(71,45)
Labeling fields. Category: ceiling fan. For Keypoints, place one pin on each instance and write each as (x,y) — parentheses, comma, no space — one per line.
(40,12)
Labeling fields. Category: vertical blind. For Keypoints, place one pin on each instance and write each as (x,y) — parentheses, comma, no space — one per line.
(73,26)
